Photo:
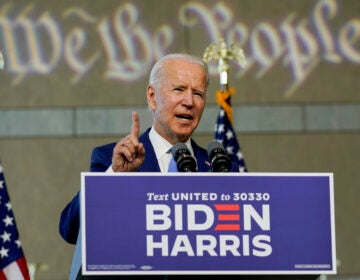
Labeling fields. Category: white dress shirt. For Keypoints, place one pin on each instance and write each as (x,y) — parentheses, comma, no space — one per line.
(162,149)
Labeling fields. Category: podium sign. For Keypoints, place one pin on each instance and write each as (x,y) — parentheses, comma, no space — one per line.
(207,223)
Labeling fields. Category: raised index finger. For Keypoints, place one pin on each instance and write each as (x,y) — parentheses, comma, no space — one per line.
(135,127)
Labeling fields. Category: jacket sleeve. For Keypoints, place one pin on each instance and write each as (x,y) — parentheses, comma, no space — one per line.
(101,158)
(70,216)
(70,220)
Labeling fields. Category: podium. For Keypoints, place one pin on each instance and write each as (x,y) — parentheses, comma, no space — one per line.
(209,225)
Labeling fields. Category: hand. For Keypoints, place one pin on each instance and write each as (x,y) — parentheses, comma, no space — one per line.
(128,153)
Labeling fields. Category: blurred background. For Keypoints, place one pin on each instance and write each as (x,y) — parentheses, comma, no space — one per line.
(75,70)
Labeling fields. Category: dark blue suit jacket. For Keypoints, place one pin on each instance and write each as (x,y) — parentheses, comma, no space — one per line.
(100,161)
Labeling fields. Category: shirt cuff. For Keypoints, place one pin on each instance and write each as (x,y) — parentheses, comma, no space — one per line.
(109,170)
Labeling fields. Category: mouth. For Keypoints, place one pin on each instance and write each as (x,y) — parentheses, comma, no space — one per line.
(184,117)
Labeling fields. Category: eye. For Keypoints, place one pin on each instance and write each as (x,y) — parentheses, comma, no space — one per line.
(179,89)
(199,93)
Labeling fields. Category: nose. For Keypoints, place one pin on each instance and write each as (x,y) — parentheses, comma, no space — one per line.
(188,98)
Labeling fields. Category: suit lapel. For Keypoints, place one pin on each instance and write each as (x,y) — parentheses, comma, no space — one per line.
(201,157)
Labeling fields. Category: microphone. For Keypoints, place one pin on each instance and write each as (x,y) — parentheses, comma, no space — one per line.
(220,161)
(182,156)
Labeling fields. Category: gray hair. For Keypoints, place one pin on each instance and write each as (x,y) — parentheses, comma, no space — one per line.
(156,71)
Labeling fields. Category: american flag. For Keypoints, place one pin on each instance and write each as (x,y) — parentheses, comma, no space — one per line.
(13,264)
(224,132)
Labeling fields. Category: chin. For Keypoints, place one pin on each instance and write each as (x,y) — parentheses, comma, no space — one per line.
(183,137)
(184,132)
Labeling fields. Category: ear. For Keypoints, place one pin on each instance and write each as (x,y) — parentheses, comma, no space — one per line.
(150,93)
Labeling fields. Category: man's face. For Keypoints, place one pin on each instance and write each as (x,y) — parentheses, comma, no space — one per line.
(179,100)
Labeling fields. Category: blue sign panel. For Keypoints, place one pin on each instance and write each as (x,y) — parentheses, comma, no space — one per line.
(151,223)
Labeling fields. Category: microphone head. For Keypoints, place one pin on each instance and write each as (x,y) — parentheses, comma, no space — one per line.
(220,161)
(215,147)
(182,156)
(178,149)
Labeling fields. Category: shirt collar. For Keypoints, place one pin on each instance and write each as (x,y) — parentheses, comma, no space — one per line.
(162,146)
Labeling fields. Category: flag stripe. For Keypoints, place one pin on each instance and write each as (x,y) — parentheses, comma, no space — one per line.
(13,271)
(24,268)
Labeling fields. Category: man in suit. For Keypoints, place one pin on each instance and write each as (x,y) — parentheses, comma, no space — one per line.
(176,97)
